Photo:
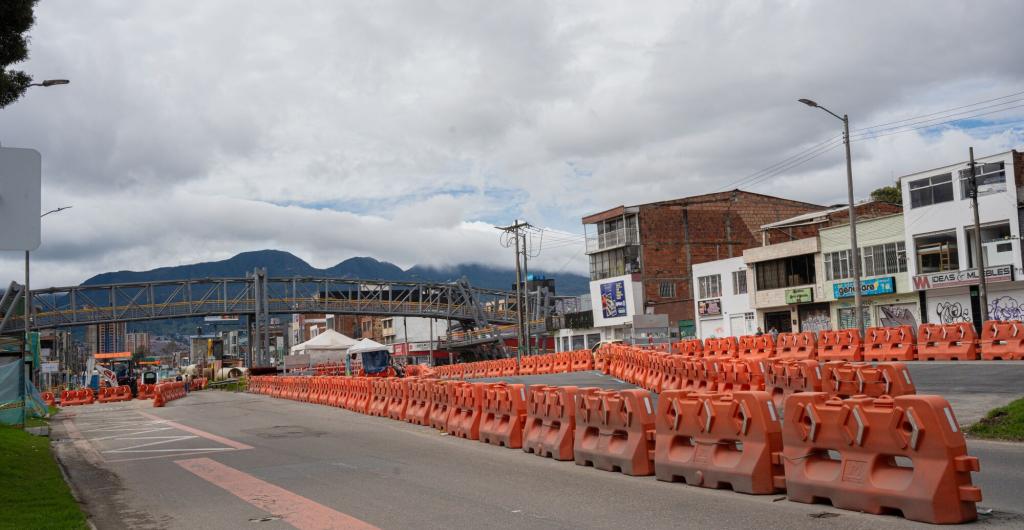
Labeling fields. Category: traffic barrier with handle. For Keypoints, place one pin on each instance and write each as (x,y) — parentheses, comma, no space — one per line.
(615,431)
(1002,341)
(799,346)
(890,344)
(947,342)
(168,392)
(115,394)
(841,345)
(440,404)
(146,391)
(48,398)
(845,380)
(550,421)
(721,440)
(786,377)
(503,415)
(873,439)
(419,408)
(398,397)
(466,409)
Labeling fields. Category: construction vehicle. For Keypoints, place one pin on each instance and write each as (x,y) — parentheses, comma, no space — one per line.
(114,369)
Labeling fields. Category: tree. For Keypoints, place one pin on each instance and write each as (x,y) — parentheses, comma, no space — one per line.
(888,194)
(16,17)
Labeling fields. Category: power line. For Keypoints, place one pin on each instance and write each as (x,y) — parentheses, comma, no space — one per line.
(940,112)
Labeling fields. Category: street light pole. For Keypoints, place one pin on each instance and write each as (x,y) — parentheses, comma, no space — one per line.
(855,250)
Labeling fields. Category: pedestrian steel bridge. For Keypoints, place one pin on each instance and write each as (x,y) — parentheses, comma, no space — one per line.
(256,295)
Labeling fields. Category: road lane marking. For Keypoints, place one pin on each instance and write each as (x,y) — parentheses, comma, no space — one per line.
(294,509)
(85,448)
(197,432)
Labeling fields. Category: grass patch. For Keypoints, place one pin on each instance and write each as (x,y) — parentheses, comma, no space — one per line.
(238,385)
(33,493)
(1003,423)
(35,421)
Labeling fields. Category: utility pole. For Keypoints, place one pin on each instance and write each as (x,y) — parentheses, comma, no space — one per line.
(526,296)
(515,231)
(980,256)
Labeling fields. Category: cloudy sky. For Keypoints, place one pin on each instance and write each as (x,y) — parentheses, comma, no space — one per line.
(405,130)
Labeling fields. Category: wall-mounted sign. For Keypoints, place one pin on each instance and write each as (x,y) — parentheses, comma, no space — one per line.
(613,299)
(221,318)
(49,368)
(870,287)
(709,307)
(800,296)
(934,280)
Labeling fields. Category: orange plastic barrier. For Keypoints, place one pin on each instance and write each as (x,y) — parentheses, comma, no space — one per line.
(82,396)
(550,421)
(48,398)
(378,405)
(582,361)
(694,347)
(889,344)
(1002,341)
(843,379)
(420,405)
(873,438)
(796,346)
(168,392)
(398,398)
(503,415)
(440,404)
(756,346)
(717,348)
(615,431)
(198,383)
(720,440)
(947,342)
(118,393)
(741,375)
(786,377)
(841,345)
(466,410)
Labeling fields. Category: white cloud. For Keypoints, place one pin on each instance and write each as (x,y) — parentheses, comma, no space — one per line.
(405,130)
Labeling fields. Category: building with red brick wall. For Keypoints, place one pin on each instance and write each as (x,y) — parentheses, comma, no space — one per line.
(641,256)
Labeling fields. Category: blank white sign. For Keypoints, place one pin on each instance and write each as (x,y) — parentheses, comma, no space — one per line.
(21,172)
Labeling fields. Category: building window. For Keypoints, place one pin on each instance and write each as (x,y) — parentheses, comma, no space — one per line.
(932,190)
(710,286)
(996,245)
(991,179)
(615,262)
(667,289)
(876,260)
(937,252)
(739,282)
(785,272)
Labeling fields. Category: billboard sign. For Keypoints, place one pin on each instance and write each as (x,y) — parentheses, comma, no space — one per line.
(709,307)
(613,299)
(21,178)
(935,280)
(221,318)
(870,287)
(800,296)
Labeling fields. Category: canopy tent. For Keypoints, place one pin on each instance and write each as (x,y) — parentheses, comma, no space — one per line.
(328,346)
(374,355)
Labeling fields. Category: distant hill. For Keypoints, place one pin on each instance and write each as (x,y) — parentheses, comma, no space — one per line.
(280,263)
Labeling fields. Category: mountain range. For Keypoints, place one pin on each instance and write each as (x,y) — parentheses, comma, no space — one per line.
(280,263)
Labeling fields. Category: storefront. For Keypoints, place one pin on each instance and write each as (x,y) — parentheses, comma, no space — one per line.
(887,302)
(952,297)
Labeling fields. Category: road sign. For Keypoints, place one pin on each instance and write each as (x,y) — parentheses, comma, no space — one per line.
(50,368)
(21,177)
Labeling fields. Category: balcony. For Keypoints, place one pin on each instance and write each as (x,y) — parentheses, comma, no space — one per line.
(612,239)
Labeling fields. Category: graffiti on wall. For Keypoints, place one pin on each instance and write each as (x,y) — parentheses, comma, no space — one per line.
(892,316)
(815,319)
(952,312)
(1005,308)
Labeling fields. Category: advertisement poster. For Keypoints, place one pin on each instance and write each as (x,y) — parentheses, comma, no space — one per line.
(613,299)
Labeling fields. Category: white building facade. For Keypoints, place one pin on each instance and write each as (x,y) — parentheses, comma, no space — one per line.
(940,239)
(722,299)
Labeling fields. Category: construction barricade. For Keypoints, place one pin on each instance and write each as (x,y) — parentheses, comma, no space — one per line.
(887,455)
(785,377)
(841,345)
(550,421)
(168,392)
(419,408)
(378,405)
(947,342)
(113,394)
(889,344)
(756,346)
(582,361)
(1002,341)
(49,398)
(441,404)
(720,440)
(844,380)
(693,347)
(82,396)
(615,431)
(398,398)
(721,347)
(503,415)
(799,346)
(466,410)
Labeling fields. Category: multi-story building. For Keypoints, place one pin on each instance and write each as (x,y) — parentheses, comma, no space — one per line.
(786,278)
(413,339)
(641,257)
(138,341)
(940,238)
(106,338)
(722,301)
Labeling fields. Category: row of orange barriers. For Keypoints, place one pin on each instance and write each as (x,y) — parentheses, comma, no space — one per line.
(550,363)
(170,391)
(1000,340)
(114,394)
(146,391)
(198,383)
(82,396)
(850,452)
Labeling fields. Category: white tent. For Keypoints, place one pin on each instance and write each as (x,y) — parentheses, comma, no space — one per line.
(366,345)
(329,346)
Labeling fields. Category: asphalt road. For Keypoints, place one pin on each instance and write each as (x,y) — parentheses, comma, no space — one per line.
(222,460)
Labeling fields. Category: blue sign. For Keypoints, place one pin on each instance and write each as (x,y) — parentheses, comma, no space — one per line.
(874,286)
(613,299)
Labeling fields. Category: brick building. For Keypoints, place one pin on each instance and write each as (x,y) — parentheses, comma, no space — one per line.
(641,256)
